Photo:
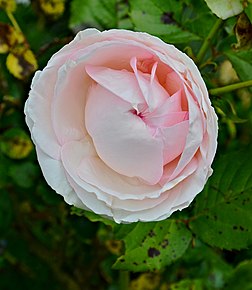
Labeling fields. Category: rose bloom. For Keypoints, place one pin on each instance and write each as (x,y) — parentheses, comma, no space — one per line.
(123,125)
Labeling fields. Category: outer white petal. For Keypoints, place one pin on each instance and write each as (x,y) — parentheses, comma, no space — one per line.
(55,176)
(38,116)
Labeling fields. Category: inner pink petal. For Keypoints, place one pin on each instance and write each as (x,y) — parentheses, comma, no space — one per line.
(153,93)
(174,139)
(173,83)
(172,104)
(167,120)
(194,136)
(122,140)
(119,82)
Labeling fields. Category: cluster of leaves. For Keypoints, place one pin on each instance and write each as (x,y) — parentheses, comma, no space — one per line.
(44,243)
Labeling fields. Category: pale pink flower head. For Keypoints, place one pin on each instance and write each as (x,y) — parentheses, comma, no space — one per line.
(123,125)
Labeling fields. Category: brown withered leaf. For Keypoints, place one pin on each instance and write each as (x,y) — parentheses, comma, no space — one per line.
(243,32)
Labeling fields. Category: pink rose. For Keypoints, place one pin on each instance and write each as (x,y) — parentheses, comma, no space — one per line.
(123,125)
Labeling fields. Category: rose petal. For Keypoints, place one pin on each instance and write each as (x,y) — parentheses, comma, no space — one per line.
(68,105)
(173,83)
(174,139)
(194,137)
(121,83)
(122,140)
(55,176)
(72,153)
(153,93)
(96,173)
(38,109)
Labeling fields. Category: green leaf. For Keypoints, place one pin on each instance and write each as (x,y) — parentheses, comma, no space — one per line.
(223,210)
(151,246)
(195,16)
(93,13)
(248,11)
(187,285)
(92,216)
(241,276)
(242,63)
(160,18)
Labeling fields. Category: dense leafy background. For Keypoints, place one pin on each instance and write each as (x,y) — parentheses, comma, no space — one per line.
(46,244)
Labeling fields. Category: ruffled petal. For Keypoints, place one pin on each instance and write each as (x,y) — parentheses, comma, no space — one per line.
(38,111)
(119,82)
(194,136)
(174,139)
(55,176)
(95,172)
(122,140)
(72,153)
(68,104)
(153,93)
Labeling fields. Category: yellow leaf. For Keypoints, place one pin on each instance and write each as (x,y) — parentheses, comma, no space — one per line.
(8,5)
(21,63)
(10,37)
(53,8)
(114,246)
(16,144)
(146,281)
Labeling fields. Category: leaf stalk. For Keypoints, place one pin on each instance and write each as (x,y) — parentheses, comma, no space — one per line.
(208,40)
(230,88)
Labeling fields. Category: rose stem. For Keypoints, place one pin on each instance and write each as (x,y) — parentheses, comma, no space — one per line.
(229,88)
(13,21)
(123,280)
(207,40)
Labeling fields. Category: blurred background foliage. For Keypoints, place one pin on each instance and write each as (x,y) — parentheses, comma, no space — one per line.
(45,243)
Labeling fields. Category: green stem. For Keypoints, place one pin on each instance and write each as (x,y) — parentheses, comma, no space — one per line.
(124,280)
(230,88)
(208,39)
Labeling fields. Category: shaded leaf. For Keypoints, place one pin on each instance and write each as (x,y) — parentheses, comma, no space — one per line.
(242,276)
(188,285)
(223,210)
(25,174)
(5,211)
